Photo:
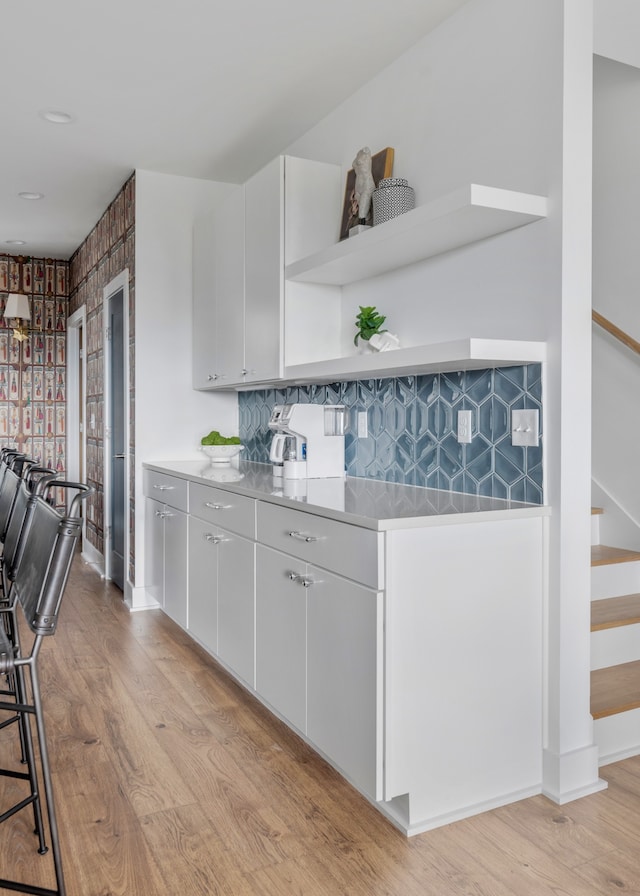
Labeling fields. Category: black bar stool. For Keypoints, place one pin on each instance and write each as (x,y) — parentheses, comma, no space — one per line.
(47,546)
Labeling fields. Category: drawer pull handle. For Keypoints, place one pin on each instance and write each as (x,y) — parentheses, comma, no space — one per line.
(164,488)
(300,536)
(213,539)
(217,506)
(301,579)
(163,514)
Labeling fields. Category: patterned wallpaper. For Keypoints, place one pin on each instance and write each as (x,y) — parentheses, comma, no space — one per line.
(33,372)
(412,429)
(107,251)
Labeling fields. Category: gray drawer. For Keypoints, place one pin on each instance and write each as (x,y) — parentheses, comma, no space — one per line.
(348,550)
(237,513)
(168,489)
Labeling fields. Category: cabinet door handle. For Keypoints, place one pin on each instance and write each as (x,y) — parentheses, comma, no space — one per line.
(300,536)
(164,488)
(302,579)
(218,506)
(213,539)
(212,377)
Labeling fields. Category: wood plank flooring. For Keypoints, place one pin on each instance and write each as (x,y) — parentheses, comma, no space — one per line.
(171,780)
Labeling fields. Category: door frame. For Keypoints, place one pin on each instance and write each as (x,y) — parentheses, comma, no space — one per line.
(77,388)
(121,282)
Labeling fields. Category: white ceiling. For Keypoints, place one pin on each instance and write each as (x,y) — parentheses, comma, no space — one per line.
(201,88)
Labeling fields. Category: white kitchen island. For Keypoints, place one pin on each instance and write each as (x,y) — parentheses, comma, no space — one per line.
(398,630)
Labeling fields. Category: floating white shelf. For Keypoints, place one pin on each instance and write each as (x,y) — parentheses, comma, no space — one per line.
(469,214)
(462,354)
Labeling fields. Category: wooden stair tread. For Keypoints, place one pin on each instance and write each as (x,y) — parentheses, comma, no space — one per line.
(602,554)
(595,510)
(612,612)
(615,689)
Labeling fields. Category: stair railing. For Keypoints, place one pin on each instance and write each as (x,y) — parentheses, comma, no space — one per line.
(616,332)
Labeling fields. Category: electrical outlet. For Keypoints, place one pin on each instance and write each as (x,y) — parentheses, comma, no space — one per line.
(465,423)
(363,425)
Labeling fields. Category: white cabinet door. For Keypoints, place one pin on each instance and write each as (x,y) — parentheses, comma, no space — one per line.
(281,635)
(218,294)
(203,582)
(236,605)
(264,272)
(228,288)
(344,677)
(175,565)
(203,360)
(154,550)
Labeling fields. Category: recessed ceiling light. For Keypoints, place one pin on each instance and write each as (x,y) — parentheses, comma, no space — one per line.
(27,195)
(56,117)
(15,242)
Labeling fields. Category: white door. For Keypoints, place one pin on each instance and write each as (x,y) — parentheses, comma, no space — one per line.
(236,610)
(264,272)
(281,621)
(344,676)
(204,549)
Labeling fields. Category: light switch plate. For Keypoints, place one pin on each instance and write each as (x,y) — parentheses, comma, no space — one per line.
(525,428)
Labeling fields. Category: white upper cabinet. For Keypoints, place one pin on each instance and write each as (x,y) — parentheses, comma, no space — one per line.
(218,294)
(264,274)
(269,275)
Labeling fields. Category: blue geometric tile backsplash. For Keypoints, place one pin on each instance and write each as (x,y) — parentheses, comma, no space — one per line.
(412,425)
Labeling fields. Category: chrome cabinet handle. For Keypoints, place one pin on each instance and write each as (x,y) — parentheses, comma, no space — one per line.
(300,536)
(120,457)
(164,488)
(302,579)
(213,539)
(163,514)
(212,376)
(218,506)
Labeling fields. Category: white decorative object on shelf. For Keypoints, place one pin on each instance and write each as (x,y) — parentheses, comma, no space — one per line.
(392,197)
(221,454)
(382,342)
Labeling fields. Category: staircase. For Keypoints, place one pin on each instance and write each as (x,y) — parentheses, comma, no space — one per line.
(615,647)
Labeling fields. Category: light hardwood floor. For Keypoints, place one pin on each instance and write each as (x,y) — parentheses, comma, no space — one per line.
(171,780)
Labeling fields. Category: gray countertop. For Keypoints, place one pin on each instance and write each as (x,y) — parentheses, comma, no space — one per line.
(364,502)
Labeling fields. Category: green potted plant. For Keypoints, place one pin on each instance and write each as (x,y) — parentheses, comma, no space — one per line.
(368,322)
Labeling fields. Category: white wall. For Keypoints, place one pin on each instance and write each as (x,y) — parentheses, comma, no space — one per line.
(616,29)
(469,103)
(501,94)
(170,416)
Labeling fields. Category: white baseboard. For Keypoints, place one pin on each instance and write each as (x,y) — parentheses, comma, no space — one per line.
(138,599)
(93,557)
(396,811)
(569,776)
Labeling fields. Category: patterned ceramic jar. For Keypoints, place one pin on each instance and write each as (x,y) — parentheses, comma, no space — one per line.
(393,197)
